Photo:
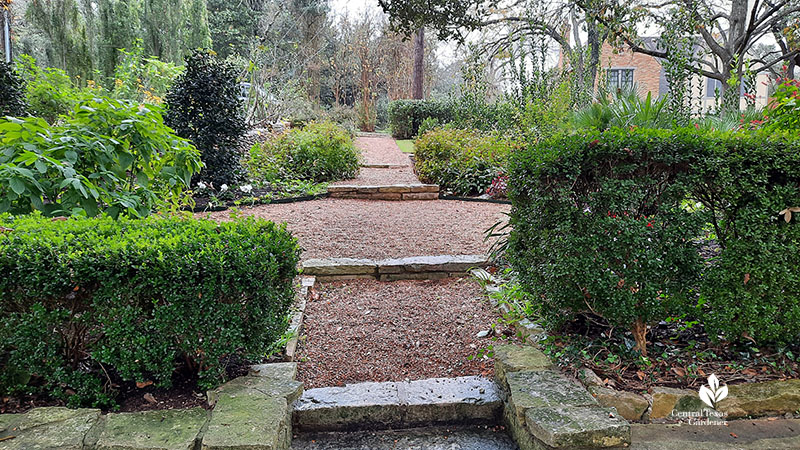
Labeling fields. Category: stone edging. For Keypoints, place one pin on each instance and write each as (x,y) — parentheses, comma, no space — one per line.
(277,201)
(387,192)
(473,199)
(248,412)
(412,268)
(383,166)
(302,296)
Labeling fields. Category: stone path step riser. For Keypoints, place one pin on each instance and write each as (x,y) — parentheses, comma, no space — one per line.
(387,192)
(378,406)
(411,268)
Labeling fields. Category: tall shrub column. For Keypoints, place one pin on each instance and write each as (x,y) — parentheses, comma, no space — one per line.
(204,107)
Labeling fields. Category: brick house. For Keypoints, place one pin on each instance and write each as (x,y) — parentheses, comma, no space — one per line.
(624,68)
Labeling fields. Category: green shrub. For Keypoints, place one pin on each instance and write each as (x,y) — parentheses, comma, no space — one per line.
(405,116)
(107,156)
(12,92)
(90,302)
(785,106)
(461,161)
(429,124)
(204,106)
(601,225)
(50,92)
(320,152)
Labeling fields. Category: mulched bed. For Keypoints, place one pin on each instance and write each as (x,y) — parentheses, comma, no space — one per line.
(677,357)
(383,229)
(381,150)
(366,330)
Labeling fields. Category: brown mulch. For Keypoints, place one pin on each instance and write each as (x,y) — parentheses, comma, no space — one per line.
(381,150)
(366,330)
(338,228)
(382,177)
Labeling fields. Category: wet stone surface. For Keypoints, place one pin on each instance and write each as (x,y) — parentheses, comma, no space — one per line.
(438,438)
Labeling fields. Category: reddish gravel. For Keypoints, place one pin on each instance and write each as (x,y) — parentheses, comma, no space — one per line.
(381,150)
(383,229)
(365,330)
(382,177)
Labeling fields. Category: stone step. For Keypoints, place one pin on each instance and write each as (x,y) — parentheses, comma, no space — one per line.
(389,405)
(383,166)
(411,268)
(387,192)
(429,438)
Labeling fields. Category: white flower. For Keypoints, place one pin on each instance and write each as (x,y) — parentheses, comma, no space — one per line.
(201,185)
(246,188)
(223,188)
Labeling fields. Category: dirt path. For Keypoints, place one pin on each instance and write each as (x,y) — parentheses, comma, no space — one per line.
(365,330)
(383,229)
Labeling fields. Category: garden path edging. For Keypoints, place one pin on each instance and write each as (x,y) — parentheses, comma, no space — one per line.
(386,192)
(410,268)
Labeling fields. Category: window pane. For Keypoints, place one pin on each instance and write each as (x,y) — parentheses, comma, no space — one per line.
(613,78)
(627,78)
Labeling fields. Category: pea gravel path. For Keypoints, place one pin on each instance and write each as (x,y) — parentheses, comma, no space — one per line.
(339,228)
(366,330)
(379,149)
(381,177)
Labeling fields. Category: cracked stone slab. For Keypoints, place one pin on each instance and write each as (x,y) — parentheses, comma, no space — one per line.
(171,429)
(439,263)
(48,428)
(339,266)
(258,386)
(510,358)
(578,427)
(401,404)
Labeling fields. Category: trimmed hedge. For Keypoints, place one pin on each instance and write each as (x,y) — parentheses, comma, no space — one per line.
(88,302)
(613,223)
(320,152)
(464,162)
(406,116)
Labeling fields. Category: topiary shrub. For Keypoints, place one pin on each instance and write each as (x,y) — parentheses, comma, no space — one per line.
(612,224)
(461,161)
(406,116)
(12,92)
(320,152)
(107,156)
(204,106)
(89,303)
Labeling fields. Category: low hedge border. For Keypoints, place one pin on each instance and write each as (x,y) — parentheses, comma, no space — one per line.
(619,224)
(93,302)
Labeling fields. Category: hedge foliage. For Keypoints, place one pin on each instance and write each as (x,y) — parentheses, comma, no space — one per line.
(319,152)
(106,156)
(204,106)
(461,161)
(88,302)
(406,116)
(614,223)
(12,92)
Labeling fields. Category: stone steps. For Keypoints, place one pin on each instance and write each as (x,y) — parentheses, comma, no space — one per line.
(389,405)
(386,192)
(428,438)
(411,268)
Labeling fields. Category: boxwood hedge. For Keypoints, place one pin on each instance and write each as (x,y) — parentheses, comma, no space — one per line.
(90,302)
(405,116)
(641,225)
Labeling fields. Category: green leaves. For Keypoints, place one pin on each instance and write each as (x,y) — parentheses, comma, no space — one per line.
(103,152)
(154,293)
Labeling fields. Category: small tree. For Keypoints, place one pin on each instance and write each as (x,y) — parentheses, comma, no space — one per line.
(12,92)
(204,107)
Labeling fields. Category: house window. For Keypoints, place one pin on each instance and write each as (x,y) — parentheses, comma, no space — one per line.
(714,86)
(620,78)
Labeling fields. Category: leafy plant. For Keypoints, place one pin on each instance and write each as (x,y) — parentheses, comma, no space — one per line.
(462,161)
(320,152)
(49,91)
(12,92)
(204,107)
(92,302)
(785,106)
(406,116)
(108,156)
(143,79)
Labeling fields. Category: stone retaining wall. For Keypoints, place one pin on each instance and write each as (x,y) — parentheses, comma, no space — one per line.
(390,192)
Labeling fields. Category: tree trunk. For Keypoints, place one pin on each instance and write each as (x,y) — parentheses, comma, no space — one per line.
(419,65)
(639,330)
(5,32)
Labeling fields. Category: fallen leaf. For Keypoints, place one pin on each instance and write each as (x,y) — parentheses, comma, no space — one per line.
(734,435)
(143,384)
(701,372)
(640,374)
(746,278)
(679,371)
(150,399)
(750,372)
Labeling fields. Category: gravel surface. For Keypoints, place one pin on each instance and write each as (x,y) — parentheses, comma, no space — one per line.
(365,330)
(383,177)
(381,150)
(383,229)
